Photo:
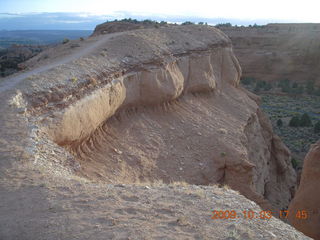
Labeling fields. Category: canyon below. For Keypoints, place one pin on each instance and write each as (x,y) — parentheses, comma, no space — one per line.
(146,131)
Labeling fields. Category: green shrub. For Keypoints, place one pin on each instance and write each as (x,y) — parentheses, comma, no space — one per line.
(148,21)
(310,87)
(66,40)
(317,127)
(74,79)
(224,25)
(130,20)
(295,121)
(279,122)
(317,92)
(305,120)
(256,89)
(247,80)
(187,23)
(284,82)
(223,154)
(299,90)
(294,163)
(257,26)
(261,84)
(267,87)
(285,89)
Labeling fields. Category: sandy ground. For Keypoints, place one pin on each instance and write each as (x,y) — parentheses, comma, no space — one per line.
(78,210)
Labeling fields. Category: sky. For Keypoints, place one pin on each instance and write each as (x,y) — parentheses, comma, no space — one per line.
(86,14)
(284,10)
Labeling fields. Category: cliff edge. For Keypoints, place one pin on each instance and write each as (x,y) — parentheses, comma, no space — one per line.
(139,107)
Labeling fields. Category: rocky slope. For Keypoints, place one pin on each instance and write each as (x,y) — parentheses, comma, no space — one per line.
(307,198)
(144,106)
(278,51)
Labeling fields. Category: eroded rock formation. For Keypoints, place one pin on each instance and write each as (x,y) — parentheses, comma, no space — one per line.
(162,104)
(278,51)
(141,107)
(305,207)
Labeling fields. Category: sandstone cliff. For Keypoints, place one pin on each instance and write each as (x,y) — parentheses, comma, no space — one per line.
(307,198)
(278,51)
(169,101)
(143,106)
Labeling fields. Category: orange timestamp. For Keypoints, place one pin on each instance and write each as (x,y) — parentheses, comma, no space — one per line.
(250,214)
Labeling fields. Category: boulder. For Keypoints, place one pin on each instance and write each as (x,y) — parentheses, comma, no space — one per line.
(304,210)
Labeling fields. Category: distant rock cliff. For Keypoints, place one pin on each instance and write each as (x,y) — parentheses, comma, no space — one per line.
(278,51)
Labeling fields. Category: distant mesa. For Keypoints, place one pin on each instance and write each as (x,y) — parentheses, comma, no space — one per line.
(275,52)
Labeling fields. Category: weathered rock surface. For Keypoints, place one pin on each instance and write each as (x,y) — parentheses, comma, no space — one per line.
(278,51)
(307,197)
(141,106)
(73,209)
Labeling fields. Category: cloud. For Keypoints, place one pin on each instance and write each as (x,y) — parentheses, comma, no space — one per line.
(88,21)
(53,21)
(71,21)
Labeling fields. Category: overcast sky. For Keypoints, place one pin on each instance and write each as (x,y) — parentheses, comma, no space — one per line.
(284,10)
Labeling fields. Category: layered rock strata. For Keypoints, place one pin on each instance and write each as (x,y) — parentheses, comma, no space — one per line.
(275,52)
(157,105)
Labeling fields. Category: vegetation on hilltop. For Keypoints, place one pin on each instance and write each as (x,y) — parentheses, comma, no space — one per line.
(229,25)
(153,22)
(282,86)
(11,58)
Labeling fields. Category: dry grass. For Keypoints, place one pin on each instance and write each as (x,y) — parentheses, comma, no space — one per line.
(179,184)
(160,183)
(74,80)
(197,192)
